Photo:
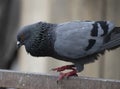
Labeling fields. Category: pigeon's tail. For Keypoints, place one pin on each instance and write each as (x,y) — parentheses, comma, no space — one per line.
(112,40)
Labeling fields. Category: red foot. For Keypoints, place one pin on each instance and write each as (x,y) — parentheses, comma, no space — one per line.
(59,69)
(66,75)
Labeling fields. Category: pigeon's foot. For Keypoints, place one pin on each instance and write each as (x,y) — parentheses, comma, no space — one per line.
(59,69)
(67,75)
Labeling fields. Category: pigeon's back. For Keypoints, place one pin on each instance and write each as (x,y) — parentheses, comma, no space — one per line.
(81,38)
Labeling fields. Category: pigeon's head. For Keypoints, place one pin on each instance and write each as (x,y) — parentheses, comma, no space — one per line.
(23,36)
(35,38)
(26,34)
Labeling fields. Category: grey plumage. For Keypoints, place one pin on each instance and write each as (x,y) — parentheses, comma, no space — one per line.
(79,42)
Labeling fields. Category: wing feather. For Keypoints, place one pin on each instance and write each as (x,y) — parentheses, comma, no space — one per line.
(72,38)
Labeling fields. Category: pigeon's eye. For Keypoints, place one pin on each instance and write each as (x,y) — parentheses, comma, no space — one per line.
(22,37)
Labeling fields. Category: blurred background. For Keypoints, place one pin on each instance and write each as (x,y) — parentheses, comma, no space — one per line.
(15,14)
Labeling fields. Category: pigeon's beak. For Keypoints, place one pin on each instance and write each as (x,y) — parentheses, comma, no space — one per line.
(18,44)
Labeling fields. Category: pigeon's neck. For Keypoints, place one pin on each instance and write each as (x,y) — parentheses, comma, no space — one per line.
(42,45)
(47,39)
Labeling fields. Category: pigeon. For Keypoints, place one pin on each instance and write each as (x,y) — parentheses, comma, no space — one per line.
(79,42)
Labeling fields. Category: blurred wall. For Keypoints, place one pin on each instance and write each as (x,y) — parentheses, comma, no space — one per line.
(9,22)
(57,11)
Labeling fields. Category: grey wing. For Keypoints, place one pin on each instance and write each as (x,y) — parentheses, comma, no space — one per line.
(74,40)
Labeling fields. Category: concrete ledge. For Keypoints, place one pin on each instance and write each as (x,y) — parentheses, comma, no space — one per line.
(13,79)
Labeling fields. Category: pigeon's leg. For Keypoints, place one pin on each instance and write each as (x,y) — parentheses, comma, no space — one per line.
(59,69)
(68,74)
